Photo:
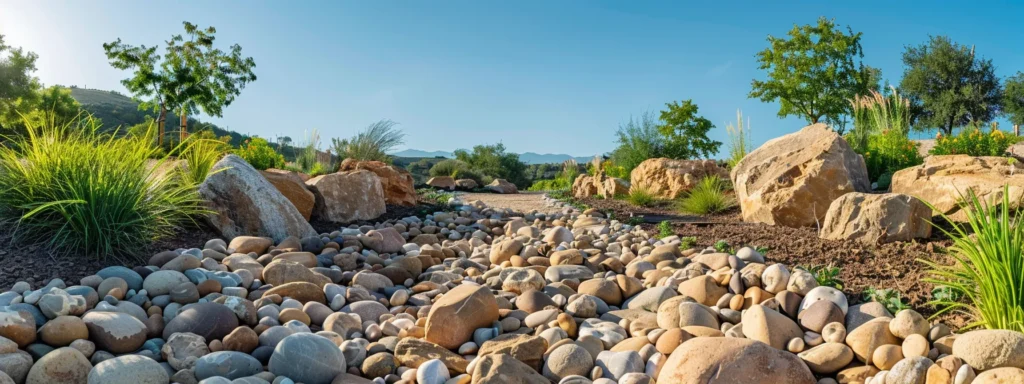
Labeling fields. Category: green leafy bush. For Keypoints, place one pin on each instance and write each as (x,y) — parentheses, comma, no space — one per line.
(372,144)
(889,152)
(890,298)
(988,268)
(550,185)
(434,196)
(456,169)
(641,196)
(80,191)
(723,246)
(665,230)
(881,124)
(827,275)
(259,154)
(491,161)
(973,142)
(707,197)
(687,242)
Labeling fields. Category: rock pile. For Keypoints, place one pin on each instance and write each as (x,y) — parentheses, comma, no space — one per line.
(476,296)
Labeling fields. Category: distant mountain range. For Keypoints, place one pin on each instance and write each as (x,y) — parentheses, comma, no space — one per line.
(526,157)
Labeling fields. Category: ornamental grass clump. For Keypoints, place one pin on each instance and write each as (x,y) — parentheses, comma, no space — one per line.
(707,197)
(988,270)
(80,191)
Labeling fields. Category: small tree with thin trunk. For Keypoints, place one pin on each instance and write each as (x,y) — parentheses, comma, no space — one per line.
(192,76)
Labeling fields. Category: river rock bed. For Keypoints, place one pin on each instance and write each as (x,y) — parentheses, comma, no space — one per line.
(477,295)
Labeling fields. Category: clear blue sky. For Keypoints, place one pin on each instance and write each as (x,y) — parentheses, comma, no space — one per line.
(541,76)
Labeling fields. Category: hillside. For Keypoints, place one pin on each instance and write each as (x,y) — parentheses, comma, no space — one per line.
(118,111)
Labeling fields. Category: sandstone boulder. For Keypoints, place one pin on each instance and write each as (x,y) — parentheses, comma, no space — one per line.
(347,196)
(669,179)
(792,180)
(442,182)
(733,361)
(293,188)
(877,219)
(614,186)
(466,184)
(585,186)
(502,186)
(941,181)
(454,317)
(245,203)
(398,185)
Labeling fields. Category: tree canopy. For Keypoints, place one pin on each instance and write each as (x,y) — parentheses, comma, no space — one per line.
(191,77)
(1013,98)
(950,85)
(23,97)
(814,73)
(685,132)
(493,161)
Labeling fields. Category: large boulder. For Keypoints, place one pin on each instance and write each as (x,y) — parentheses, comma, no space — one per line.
(733,361)
(245,203)
(792,180)
(585,186)
(669,179)
(399,187)
(347,196)
(442,182)
(877,219)
(942,180)
(293,188)
(599,185)
(502,186)
(456,315)
(614,186)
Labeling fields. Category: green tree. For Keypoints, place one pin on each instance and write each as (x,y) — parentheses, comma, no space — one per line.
(814,73)
(17,85)
(493,161)
(950,85)
(686,133)
(192,76)
(54,103)
(1013,98)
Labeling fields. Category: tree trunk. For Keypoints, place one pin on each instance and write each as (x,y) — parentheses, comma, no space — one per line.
(184,126)
(160,126)
(1016,129)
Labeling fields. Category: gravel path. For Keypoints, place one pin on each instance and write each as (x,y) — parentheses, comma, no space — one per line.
(522,202)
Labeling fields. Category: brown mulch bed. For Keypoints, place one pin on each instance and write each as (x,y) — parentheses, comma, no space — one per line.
(893,265)
(37,264)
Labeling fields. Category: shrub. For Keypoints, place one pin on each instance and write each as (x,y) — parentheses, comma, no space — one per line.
(988,268)
(827,275)
(723,246)
(665,230)
(687,242)
(373,143)
(308,157)
(738,139)
(888,152)
(890,298)
(434,196)
(259,154)
(491,161)
(708,196)
(641,196)
(454,168)
(973,142)
(638,140)
(881,123)
(549,185)
(80,191)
